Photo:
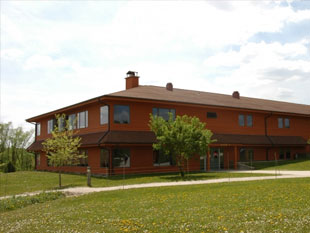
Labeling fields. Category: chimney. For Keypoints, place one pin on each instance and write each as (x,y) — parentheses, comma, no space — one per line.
(236,95)
(169,86)
(132,79)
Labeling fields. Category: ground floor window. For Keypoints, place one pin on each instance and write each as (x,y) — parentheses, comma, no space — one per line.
(83,162)
(104,158)
(246,155)
(160,159)
(121,157)
(285,154)
(38,159)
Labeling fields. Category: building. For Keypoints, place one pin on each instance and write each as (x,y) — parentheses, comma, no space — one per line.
(116,124)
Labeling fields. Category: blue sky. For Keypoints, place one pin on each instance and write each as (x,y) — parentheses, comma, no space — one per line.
(57,53)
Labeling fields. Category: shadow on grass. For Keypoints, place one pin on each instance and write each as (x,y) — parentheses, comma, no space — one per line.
(258,165)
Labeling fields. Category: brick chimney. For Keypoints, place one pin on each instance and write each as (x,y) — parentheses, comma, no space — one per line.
(132,79)
(169,86)
(236,95)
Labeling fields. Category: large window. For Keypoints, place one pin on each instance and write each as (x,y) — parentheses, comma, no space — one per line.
(82,119)
(160,159)
(121,157)
(246,155)
(61,123)
(283,122)
(104,158)
(121,114)
(104,115)
(72,121)
(50,125)
(38,129)
(164,113)
(245,120)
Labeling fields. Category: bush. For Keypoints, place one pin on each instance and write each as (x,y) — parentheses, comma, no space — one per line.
(9,167)
(22,201)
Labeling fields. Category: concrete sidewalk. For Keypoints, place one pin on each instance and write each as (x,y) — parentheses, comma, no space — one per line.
(75,191)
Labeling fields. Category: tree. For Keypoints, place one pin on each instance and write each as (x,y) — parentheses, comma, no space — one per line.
(62,148)
(181,138)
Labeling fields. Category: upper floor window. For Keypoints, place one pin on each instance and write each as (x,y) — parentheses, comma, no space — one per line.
(38,129)
(104,115)
(82,119)
(72,121)
(283,122)
(211,115)
(164,113)
(61,123)
(286,122)
(121,157)
(245,120)
(241,120)
(121,114)
(50,125)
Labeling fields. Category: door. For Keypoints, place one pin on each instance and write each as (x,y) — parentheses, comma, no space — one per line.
(216,158)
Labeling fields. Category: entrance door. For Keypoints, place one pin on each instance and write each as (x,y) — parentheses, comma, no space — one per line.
(216,159)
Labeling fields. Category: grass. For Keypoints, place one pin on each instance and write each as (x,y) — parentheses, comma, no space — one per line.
(30,181)
(260,206)
(298,165)
(22,201)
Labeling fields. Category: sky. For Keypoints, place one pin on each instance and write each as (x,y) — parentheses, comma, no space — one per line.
(58,53)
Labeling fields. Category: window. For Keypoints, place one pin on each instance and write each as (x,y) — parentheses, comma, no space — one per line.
(121,157)
(164,113)
(38,159)
(160,159)
(83,162)
(286,123)
(280,122)
(104,115)
(50,125)
(285,154)
(61,123)
(246,155)
(211,115)
(283,122)
(72,121)
(82,119)
(241,120)
(104,158)
(38,129)
(249,120)
(121,114)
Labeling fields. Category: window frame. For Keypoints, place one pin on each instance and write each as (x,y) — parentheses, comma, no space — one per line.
(211,115)
(241,120)
(104,121)
(72,123)
(79,117)
(101,158)
(247,120)
(280,123)
(160,154)
(120,165)
(50,125)
(121,120)
(287,123)
(156,112)
(38,129)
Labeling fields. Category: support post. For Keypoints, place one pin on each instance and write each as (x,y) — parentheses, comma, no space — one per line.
(88,177)
(208,159)
(235,159)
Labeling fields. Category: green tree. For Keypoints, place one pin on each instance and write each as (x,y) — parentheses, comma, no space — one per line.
(181,138)
(62,149)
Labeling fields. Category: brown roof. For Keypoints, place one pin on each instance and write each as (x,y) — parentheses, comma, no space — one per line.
(211,99)
(148,137)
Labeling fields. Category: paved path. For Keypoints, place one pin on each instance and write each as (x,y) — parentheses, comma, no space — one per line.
(75,191)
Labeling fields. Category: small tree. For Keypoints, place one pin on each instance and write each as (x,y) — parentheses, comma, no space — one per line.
(182,138)
(62,148)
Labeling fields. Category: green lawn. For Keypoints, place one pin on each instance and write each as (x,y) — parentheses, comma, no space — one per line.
(298,165)
(280,205)
(29,181)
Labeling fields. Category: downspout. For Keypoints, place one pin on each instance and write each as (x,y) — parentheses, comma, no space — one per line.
(99,142)
(266,134)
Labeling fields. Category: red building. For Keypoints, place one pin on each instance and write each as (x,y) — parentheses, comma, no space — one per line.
(115,133)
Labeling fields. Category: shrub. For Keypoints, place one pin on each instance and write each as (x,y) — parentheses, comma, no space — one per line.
(9,167)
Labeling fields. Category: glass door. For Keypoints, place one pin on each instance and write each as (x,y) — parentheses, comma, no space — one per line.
(216,159)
